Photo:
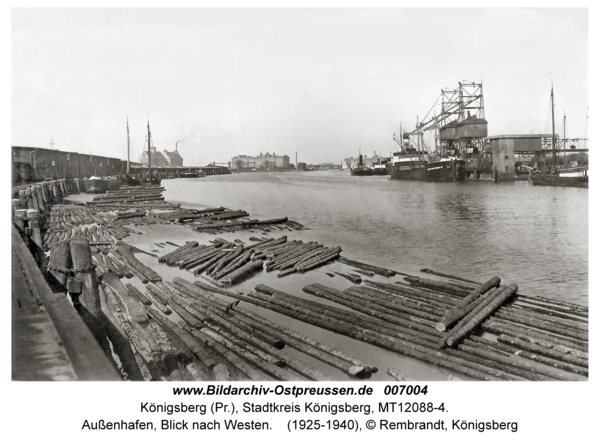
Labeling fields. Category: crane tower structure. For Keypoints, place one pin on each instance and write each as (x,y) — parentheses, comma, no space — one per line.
(460,127)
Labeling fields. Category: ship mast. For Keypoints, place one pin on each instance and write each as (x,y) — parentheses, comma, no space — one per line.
(127,145)
(553,136)
(564,140)
(149,157)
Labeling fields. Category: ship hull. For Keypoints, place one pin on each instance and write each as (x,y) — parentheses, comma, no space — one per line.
(560,181)
(96,186)
(114,184)
(442,171)
(369,171)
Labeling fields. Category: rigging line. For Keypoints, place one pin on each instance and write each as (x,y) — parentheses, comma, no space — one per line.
(434,104)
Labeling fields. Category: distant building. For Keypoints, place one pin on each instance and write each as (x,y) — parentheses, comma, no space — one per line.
(173,158)
(268,160)
(158,160)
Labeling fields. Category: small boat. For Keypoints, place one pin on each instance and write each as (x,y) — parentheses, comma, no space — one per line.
(96,185)
(128,179)
(362,169)
(574,177)
(150,179)
(198,174)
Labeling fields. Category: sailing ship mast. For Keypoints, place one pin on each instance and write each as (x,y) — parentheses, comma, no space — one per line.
(553,136)
(128,146)
(149,157)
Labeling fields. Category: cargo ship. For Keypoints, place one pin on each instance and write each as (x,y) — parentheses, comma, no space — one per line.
(409,165)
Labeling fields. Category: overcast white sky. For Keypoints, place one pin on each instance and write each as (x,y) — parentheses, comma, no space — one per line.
(319,82)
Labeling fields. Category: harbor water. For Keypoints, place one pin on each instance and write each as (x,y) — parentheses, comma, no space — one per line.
(536,237)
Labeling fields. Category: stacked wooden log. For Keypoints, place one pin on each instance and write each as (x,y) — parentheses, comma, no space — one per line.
(185,333)
(398,318)
(233,262)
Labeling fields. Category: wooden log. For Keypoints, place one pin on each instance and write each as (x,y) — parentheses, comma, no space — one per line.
(320,261)
(368,309)
(241,273)
(127,254)
(404,347)
(250,371)
(481,289)
(135,310)
(258,242)
(396,304)
(179,251)
(494,326)
(203,258)
(60,262)
(309,307)
(174,303)
(353,279)
(233,265)
(227,259)
(293,363)
(213,282)
(367,267)
(481,303)
(210,262)
(543,325)
(84,271)
(113,267)
(558,361)
(120,341)
(99,260)
(295,256)
(86,297)
(542,310)
(310,253)
(195,255)
(290,337)
(526,303)
(138,295)
(248,352)
(439,286)
(409,337)
(457,314)
(312,257)
(268,243)
(448,276)
(120,265)
(136,273)
(533,370)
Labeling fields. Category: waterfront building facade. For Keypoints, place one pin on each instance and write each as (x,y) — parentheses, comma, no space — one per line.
(260,162)
(173,158)
(158,160)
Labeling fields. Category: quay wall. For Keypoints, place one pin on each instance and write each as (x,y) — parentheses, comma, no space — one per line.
(36,164)
(31,164)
